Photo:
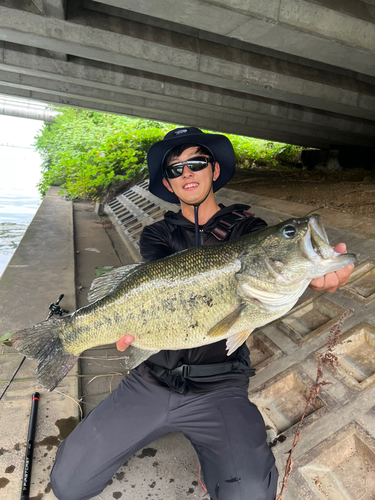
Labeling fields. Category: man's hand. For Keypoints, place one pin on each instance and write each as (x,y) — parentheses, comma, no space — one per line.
(124,342)
(331,281)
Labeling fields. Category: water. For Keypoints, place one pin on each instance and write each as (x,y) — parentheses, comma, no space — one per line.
(19,197)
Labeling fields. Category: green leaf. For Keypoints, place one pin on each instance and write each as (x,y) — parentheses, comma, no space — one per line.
(5,339)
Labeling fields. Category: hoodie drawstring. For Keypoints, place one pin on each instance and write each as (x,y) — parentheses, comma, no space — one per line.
(196,226)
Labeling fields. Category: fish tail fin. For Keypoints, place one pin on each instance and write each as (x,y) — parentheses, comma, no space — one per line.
(43,343)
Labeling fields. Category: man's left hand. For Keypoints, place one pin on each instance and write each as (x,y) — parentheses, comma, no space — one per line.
(331,281)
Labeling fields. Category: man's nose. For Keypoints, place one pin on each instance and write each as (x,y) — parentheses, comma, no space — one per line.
(186,171)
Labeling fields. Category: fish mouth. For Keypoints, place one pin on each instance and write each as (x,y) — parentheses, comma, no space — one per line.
(315,244)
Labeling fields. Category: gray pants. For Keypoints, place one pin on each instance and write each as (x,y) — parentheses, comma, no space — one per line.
(225,428)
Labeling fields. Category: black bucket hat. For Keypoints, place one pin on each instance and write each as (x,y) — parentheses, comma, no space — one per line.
(219,146)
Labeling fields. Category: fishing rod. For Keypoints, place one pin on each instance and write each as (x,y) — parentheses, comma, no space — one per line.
(53,309)
(12,377)
(26,479)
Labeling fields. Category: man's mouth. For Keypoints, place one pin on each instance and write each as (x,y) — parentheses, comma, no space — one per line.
(191,185)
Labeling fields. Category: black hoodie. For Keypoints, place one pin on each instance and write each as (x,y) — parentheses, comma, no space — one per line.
(166,237)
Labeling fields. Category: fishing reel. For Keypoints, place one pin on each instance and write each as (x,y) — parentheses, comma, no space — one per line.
(56,309)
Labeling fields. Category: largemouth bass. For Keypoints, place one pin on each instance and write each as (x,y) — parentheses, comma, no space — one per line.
(189,299)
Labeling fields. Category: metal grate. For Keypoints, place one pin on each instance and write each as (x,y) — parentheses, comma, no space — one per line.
(136,208)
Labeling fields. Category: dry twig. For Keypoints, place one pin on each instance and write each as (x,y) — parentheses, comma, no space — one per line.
(76,401)
(327,359)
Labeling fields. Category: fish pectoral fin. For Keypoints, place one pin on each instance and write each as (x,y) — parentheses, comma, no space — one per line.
(221,328)
(108,281)
(135,356)
(237,340)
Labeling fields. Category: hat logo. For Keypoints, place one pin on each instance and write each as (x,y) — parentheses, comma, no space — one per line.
(180,131)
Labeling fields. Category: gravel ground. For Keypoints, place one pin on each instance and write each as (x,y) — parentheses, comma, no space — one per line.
(351,191)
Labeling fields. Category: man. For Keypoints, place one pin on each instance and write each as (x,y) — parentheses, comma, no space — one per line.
(200,392)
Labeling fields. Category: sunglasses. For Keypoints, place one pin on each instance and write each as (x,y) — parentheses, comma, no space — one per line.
(194,165)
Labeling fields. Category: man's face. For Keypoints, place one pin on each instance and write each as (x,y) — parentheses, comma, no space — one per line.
(192,187)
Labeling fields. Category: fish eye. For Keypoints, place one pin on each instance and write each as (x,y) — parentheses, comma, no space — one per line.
(289,231)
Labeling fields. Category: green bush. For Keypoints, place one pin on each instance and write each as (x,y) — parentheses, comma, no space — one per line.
(252,152)
(87,153)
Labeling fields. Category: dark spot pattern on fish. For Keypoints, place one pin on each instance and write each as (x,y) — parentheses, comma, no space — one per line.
(107,321)
(117,318)
(117,494)
(152,485)
(3,450)
(48,488)
(190,491)
(194,325)
(79,330)
(170,304)
(10,469)
(120,475)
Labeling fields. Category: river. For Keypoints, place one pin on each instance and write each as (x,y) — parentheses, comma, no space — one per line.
(19,197)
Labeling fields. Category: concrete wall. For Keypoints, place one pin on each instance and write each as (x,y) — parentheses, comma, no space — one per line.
(286,70)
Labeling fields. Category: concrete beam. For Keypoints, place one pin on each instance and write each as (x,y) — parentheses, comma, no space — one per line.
(194,60)
(177,110)
(148,60)
(54,8)
(111,78)
(336,33)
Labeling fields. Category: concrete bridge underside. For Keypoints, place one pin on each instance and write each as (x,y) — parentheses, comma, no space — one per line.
(294,71)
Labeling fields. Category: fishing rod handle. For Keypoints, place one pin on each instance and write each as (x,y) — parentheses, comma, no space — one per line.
(26,479)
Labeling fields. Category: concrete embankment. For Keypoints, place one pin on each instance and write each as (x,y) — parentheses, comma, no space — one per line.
(64,244)
(41,268)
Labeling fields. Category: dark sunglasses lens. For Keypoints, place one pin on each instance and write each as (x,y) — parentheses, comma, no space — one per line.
(174,172)
(195,165)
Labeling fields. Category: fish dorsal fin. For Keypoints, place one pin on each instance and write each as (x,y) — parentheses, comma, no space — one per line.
(107,282)
(235,341)
(221,328)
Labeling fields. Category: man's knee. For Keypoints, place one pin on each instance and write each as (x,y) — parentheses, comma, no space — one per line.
(64,489)
(66,483)
(243,488)
(261,489)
